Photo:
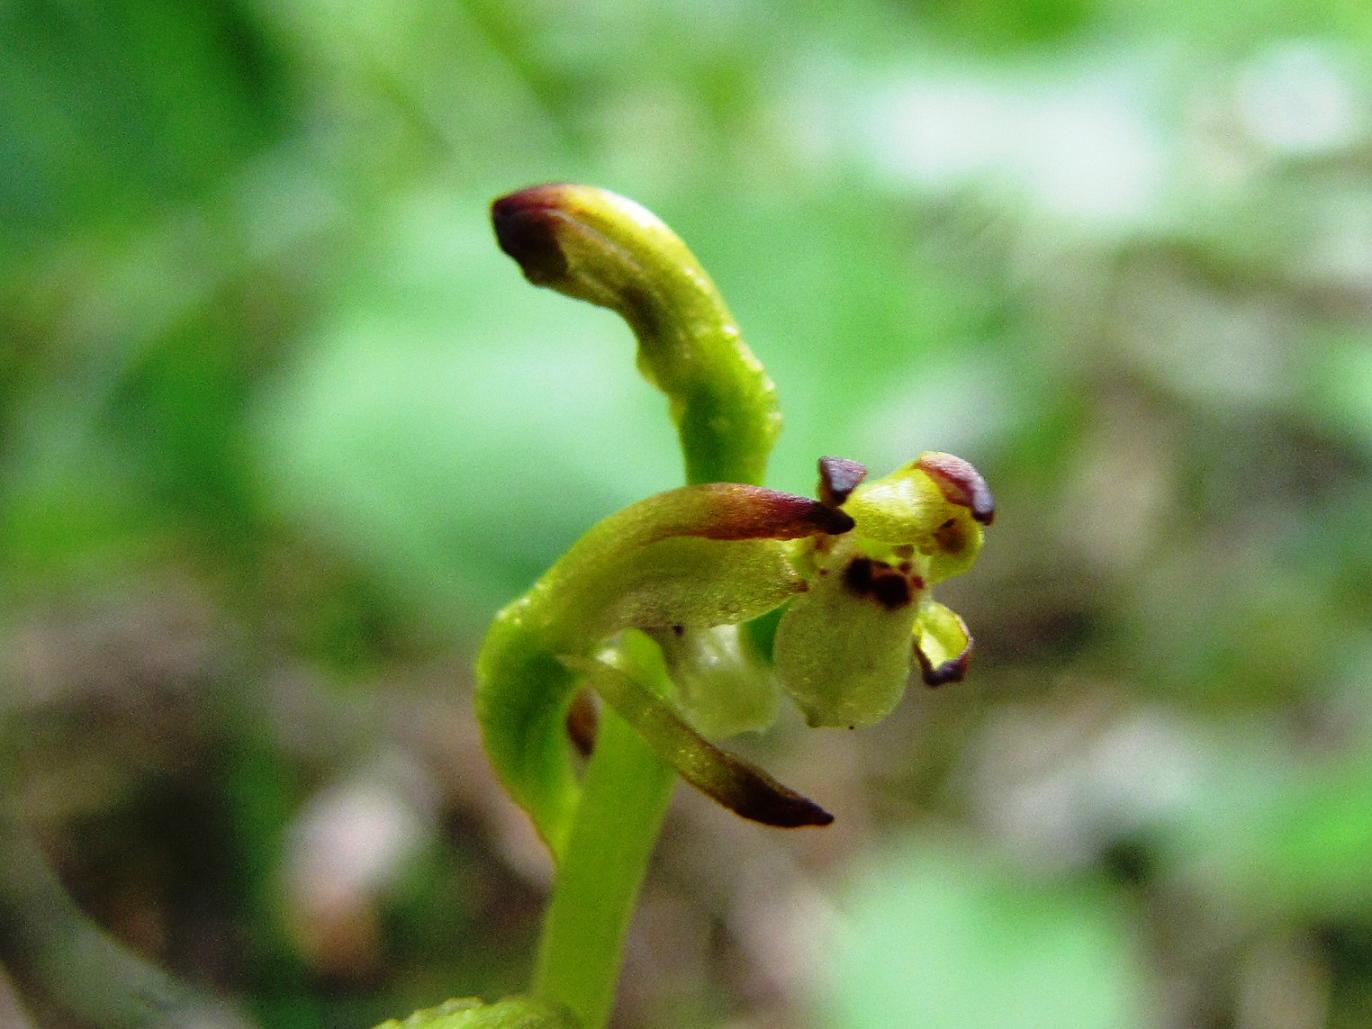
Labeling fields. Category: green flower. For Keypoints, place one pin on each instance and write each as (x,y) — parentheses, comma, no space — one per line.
(844,648)
(663,609)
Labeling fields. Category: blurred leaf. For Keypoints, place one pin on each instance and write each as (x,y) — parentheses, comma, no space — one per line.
(1340,392)
(101,127)
(936,936)
(1293,846)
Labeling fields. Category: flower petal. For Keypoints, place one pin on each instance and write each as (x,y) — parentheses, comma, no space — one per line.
(943,645)
(843,648)
(961,483)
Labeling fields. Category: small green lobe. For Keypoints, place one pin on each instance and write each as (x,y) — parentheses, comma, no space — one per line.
(472,1013)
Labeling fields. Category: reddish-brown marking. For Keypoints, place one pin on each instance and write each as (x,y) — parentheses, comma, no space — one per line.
(960,484)
(951,537)
(869,578)
(582,721)
(526,226)
(753,512)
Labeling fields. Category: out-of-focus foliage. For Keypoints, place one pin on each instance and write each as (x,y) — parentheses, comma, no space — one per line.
(280,428)
(994,948)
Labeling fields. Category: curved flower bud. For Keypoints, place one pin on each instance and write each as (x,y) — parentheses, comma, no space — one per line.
(596,246)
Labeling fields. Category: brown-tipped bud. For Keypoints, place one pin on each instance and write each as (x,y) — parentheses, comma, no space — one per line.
(960,484)
(604,249)
(838,477)
(526,229)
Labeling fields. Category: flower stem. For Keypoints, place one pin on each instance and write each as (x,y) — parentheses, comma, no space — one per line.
(624,798)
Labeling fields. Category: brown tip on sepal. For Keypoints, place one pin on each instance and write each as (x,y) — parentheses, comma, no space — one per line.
(831,521)
(747,790)
(754,512)
(960,484)
(526,228)
(787,811)
(753,794)
(952,670)
(740,786)
(838,477)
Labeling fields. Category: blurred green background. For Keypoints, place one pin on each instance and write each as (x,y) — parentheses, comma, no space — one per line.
(280,428)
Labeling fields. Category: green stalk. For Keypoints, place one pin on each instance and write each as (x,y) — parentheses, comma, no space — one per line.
(624,797)
(601,248)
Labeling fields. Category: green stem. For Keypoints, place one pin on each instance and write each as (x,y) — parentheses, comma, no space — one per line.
(624,798)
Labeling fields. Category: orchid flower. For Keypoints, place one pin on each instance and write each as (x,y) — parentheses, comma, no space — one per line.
(653,608)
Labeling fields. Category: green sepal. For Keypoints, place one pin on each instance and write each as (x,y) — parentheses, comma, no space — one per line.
(472,1013)
(692,583)
(522,696)
(695,556)
(741,787)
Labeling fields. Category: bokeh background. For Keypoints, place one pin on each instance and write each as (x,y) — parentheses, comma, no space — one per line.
(280,428)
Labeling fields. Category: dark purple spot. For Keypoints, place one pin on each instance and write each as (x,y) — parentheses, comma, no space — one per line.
(891,590)
(877,580)
(858,575)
